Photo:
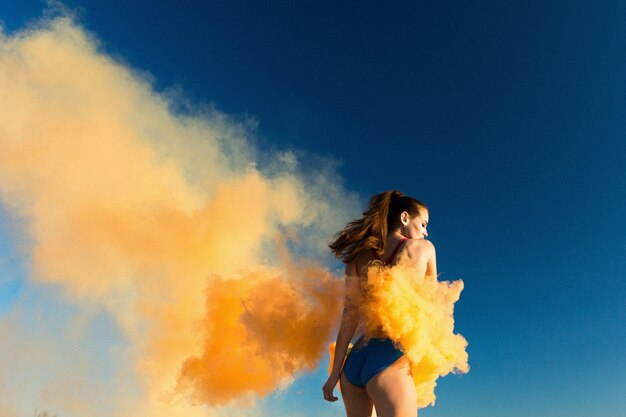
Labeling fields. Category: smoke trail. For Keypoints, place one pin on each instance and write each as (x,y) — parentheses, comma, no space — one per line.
(163,221)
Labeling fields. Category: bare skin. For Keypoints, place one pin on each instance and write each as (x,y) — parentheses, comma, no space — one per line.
(390,393)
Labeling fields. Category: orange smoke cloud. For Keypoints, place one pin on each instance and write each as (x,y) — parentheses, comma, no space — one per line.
(416,311)
(260,330)
(165,221)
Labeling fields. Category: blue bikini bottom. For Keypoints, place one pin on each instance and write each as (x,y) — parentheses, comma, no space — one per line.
(366,359)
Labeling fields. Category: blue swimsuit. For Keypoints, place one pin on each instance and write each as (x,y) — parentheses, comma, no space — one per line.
(366,359)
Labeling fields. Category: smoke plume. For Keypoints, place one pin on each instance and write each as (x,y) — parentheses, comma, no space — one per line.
(166,227)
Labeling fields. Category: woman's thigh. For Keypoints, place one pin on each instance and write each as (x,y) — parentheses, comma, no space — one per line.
(355,399)
(393,391)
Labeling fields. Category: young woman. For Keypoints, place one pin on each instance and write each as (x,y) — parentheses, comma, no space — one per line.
(376,373)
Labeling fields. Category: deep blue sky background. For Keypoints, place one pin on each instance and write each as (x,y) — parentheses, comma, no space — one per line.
(508,119)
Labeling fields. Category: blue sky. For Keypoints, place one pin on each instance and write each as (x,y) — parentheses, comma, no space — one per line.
(508,120)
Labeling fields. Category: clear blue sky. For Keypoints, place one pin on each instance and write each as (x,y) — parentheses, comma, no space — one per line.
(508,119)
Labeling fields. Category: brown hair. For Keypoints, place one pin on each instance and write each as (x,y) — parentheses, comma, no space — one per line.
(370,231)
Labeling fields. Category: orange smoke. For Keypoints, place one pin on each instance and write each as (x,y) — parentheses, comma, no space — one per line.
(164,221)
(260,330)
(416,311)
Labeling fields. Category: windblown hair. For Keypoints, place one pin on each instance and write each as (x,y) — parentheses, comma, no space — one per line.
(370,231)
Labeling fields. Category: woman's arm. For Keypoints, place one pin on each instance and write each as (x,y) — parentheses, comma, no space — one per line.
(349,323)
(431,263)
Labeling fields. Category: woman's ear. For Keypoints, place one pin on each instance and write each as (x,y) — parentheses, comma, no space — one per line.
(404,218)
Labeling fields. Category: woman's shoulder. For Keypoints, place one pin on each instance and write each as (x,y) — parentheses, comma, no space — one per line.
(414,246)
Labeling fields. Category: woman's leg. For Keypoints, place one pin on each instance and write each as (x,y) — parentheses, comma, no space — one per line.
(393,391)
(355,399)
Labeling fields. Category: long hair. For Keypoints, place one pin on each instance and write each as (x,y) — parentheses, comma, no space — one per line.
(370,231)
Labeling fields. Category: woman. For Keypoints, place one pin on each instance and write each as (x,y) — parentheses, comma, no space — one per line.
(376,373)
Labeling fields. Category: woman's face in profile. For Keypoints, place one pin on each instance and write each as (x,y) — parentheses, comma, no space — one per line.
(416,229)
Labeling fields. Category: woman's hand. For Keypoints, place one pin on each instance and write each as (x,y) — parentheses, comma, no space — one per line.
(329,387)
